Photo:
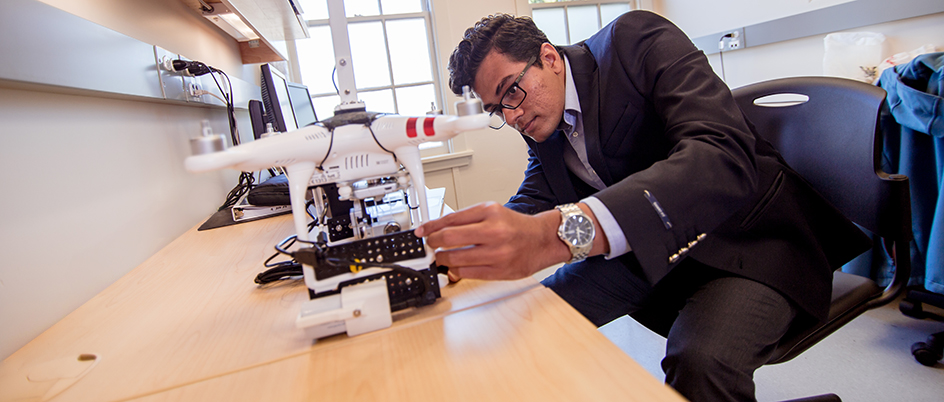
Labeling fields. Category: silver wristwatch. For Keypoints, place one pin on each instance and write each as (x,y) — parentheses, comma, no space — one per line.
(576,231)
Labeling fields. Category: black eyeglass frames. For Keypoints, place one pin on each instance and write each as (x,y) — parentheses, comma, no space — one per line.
(513,97)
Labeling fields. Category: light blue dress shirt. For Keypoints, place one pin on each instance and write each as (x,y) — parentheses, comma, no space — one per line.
(575,157)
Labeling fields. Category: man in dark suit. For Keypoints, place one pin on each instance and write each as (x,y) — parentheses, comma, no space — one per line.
(647,180)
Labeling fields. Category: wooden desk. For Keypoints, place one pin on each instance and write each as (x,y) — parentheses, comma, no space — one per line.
(189,324)
(530,347)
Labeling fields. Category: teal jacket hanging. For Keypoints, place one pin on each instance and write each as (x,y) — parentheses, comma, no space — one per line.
(914,127)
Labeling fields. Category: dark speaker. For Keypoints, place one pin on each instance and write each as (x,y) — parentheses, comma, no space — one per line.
(257,118)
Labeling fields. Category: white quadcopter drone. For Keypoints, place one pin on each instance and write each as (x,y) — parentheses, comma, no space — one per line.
(356,275)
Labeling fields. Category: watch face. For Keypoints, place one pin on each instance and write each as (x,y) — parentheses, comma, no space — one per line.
(578,230)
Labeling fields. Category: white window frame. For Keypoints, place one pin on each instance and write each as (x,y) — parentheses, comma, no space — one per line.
(529,7)
(426,15)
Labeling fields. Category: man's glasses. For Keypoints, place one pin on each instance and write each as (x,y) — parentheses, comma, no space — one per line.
(512,98)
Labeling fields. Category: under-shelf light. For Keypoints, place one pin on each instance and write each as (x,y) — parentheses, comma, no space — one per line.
(229,22)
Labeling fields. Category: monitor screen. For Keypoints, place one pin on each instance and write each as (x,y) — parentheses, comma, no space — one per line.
(275,99)
(302,108)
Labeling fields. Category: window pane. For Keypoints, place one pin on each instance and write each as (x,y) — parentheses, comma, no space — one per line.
(409,52)
(324,105)
(609,12)
(401,6)
(316,59)
(378,101)
(583,22)
(314,9)
(415,101)
(551,21)
(354,8)
(369,54)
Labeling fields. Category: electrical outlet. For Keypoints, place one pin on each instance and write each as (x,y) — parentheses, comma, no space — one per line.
(192,90)
(731,40)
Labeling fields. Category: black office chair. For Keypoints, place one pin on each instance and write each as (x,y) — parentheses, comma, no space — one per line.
(833,140)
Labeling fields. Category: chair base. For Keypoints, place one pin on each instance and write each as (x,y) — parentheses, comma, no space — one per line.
(931,351)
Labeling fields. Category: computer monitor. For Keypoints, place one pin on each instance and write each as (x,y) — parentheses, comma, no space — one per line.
(286,105)
(302,107)
(275,99)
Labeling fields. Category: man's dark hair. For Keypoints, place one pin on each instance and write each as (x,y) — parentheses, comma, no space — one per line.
(516,37)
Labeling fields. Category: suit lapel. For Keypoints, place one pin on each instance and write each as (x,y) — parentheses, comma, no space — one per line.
(586,79)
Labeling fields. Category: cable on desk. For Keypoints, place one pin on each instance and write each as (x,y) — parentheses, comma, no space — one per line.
(282,269)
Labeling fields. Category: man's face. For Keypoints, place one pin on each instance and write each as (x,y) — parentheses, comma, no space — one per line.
(543,106)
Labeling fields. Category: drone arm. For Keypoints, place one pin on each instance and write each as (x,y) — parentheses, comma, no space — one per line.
(409,157)
(299,175)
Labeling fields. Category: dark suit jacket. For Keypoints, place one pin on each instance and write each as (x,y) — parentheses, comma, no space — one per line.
(680,160)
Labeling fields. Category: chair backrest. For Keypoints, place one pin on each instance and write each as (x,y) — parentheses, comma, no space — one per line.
(833,140)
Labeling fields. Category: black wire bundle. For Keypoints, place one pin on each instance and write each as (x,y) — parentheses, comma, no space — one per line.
(282,269)
(279,271)
(246,182)
(246,179)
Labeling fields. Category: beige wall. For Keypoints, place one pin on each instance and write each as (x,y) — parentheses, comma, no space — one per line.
(698,18)
(804,56)
(500,157)
(798,57)
(94,186)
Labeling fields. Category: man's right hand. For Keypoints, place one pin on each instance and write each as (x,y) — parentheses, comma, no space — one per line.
(489,241)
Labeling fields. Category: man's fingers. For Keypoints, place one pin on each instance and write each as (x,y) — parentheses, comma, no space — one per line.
(485,241)
(461,256)
(473,214)
(478,262)
(476,232)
